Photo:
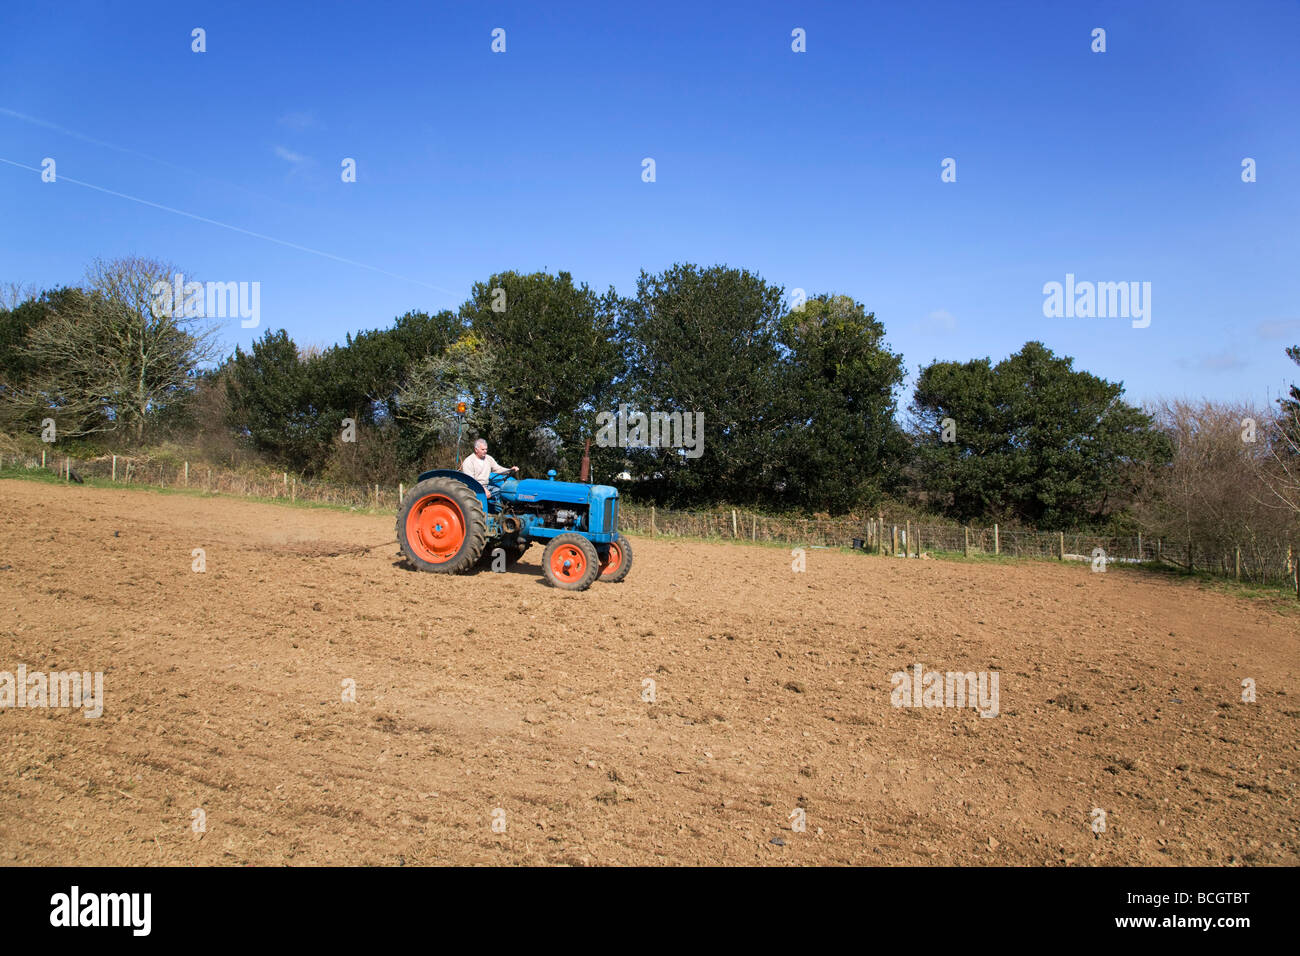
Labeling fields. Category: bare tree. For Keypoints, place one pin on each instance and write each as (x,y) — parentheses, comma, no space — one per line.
(1282,475)
(14,294)
(112,356)
(1280,469)
(1216,494)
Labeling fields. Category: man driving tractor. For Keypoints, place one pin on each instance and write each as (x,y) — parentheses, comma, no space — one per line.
(451,520)
(481,466)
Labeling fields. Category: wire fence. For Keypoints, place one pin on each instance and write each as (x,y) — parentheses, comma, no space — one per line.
(1262,562)
(136,470)
(1274,561)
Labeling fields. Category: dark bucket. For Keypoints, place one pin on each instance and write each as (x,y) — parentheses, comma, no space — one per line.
(858,544)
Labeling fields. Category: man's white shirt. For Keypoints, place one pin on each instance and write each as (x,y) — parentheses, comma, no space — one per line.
(480,469)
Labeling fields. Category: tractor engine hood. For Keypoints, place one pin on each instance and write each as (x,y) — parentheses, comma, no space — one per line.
(567,492)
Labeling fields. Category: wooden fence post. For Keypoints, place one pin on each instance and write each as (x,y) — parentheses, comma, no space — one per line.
(734,532)
(753,535)
(965,542)
(293,489)
(893,540)
(115,468)
(401,492)
(67,468)
(187,474)
(880,523)
(42,457)
(653,530)
(1060,546)
(907,538)
(997,544)
(1237,562)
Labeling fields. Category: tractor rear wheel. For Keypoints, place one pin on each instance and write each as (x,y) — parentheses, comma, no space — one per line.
(618,562)
(441,526)
(571,562)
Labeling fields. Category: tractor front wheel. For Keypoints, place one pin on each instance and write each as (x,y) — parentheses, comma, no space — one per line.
(441,526)
(571,562)
(618,562)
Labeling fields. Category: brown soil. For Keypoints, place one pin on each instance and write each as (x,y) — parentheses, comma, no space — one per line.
(495,695)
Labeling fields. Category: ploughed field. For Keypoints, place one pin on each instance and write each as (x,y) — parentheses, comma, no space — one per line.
(500,721)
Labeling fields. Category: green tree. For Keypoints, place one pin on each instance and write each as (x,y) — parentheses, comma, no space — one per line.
(270,394)
(845,444)
(364,378)
(16,365)
(553,364)
(1035,440)
(21,366)
(707,341)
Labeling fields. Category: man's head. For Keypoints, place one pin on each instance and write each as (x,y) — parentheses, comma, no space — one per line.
(480,448)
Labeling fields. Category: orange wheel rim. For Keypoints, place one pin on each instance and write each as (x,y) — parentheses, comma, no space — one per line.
(568,563)
(435,529)
(613,561)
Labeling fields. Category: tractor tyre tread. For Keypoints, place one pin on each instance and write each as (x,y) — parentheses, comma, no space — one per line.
(625,546)
(589,553)
(475,525)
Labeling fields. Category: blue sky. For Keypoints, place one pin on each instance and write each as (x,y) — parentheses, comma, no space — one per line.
(819,170)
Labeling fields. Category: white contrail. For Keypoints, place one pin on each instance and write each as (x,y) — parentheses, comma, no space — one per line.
(225,225)
(81,136)
(45,124)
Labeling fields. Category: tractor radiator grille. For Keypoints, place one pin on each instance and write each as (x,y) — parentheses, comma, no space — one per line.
(611,514)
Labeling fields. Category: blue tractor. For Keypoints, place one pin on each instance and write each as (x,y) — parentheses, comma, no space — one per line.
(447,524)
